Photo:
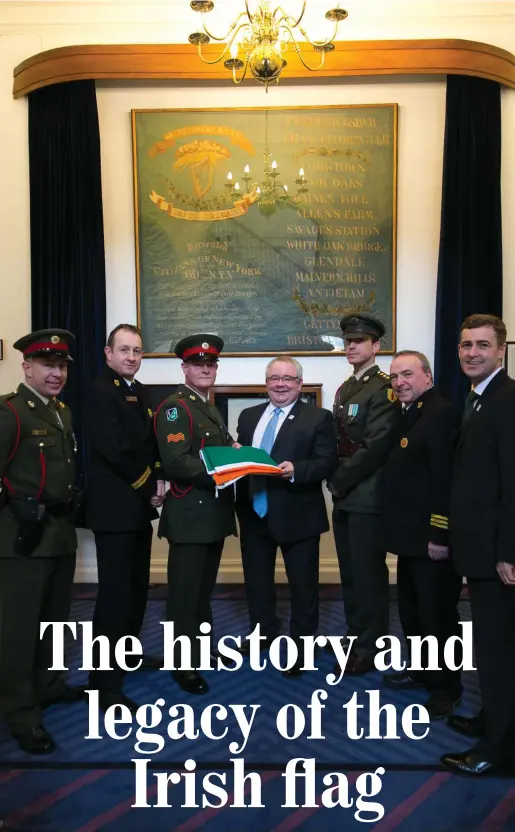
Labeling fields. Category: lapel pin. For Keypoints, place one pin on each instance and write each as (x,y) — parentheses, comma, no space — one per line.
(31,404)
(404,443)
(117,382)
(291,417)
(419,405)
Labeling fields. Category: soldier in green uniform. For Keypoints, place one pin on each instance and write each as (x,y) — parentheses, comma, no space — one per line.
(195,519)
(365,419)
(37,535)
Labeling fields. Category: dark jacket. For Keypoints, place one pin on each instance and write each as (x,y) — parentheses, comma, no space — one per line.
(416,478)
(43,466)
(192,512)
(296,510)
(124,461)
(482,508)
(364,416)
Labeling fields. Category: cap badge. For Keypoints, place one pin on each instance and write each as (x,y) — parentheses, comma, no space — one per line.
(55,339)
(205,345)
(404,442)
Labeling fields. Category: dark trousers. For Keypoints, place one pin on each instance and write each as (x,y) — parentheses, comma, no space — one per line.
(301,561)
(123,563)
(428,593)
(192,571)
(493,616)
(364,577)
(32,590)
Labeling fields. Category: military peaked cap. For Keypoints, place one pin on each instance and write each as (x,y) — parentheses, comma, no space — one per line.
(46,342)
(356,326)
(199,348)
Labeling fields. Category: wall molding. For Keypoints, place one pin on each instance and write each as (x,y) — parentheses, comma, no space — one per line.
(180,62)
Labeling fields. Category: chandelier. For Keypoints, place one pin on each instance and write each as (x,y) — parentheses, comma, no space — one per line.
(257,40)
(270,193)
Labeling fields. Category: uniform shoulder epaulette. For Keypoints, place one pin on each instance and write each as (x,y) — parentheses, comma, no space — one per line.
(383,375)
(62,404)
(8,396)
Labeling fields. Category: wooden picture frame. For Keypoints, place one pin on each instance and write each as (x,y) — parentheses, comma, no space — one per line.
(509,359)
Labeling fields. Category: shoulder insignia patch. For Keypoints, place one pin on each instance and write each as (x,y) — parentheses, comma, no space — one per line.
(175,437)
(172,414)
(391,395)
(404,442)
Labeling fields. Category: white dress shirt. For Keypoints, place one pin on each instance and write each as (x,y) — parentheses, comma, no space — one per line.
(265,418)
(481,387)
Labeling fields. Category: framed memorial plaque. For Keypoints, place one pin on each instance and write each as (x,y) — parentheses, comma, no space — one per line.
(264,226)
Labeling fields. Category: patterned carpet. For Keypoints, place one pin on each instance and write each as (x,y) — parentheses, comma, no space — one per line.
(89,784)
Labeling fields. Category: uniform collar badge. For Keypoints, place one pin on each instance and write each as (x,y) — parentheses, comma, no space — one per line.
(31,404)
(116,381)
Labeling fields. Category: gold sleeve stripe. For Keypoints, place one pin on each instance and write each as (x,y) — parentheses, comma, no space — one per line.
(439,524)
(439,517)
(142,480)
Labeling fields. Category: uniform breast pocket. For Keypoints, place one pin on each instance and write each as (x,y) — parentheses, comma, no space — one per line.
(210,436)
(40,443)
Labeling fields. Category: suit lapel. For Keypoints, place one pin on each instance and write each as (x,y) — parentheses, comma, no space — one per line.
(288,424)
(490,390)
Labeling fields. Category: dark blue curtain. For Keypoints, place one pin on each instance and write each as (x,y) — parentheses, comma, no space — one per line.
(67,235)
(470,260)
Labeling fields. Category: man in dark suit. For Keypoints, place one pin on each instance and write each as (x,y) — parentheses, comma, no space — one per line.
(124,488)
(364,415)
(482,533)
(415,488)
(195,518)
(288,512)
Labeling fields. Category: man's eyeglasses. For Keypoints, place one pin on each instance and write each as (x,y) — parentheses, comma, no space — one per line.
(286,379)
